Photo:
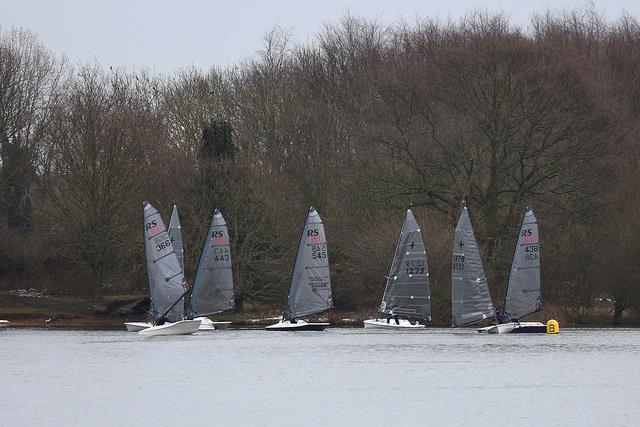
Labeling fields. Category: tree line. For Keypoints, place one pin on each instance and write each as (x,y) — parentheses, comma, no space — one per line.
(362,122)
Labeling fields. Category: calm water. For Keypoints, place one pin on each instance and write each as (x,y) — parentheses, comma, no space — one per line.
(340,377)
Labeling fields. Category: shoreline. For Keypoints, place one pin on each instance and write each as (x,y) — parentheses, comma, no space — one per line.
(53,312)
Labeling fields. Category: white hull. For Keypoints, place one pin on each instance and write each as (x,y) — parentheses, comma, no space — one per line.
(209,325)
(300,325)
(183,327)
(4,323)
(383,324)
(514,327)
(137,326)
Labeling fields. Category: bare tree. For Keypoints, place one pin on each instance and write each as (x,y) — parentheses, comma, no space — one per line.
(492,118)
(100,138)
(191,100)
(30,80)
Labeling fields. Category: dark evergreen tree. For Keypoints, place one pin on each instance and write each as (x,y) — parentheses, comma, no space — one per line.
(16,182)
(217,140)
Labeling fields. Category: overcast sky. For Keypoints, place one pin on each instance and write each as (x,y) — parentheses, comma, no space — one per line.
(165,35)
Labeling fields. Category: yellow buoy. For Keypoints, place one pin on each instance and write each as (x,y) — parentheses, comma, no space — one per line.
(553,327)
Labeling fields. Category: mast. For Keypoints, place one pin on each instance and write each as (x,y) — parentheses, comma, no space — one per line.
(188,309)
(293,267)
(146,262)
(515,248)
(175,233)
(382,306)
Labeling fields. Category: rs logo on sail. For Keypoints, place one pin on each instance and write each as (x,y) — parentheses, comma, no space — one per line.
(218,237)
(313,236)
(153,228)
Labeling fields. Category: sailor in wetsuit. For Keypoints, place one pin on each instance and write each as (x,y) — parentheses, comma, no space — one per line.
(395,317)
(502,316)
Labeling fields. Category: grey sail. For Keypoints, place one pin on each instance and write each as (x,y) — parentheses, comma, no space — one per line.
(310,287)
(523,294)
(407,290)
(166,281)
(213,285)
(470,298)
(175,234)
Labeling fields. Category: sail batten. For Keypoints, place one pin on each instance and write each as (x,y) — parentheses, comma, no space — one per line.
(166,280)
(470,298)
(407,290)
(523,295)
(310,286)
(213,290)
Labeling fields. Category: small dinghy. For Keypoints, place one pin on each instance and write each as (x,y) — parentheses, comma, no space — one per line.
(406,295)
(523,296)
(392,324)
(167,287)
(181,327)
(212,291)
(310,286)
(298,325)
(4,323)
(515,328)
(470,298)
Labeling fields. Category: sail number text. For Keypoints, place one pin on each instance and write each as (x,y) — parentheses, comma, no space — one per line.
(319,251)
(415,267)
(162,242)
(458,262)
(221,254)
(531,252)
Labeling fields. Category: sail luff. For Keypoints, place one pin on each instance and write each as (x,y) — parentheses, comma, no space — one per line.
(310,286)
(166,280)
(470,298)
(523,294)
(150,282)
(213,290)
(189,301)
(294,269)
(407,289)
(515,249)
(395,256)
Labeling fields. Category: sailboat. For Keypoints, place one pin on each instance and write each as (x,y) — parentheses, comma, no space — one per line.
(167,287)
(406,295)
(310,286)
(470,298)
(212,291)
(175,235)
(523,295)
